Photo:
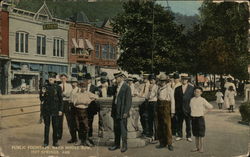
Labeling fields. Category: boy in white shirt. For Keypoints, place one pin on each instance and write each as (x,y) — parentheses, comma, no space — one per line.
(198,105)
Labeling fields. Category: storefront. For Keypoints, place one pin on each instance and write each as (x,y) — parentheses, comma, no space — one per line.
(28,75)
(79,70)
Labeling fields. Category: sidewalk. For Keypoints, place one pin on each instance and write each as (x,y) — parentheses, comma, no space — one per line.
(225,137)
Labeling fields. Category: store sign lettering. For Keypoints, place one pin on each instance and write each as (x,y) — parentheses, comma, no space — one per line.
(50,26)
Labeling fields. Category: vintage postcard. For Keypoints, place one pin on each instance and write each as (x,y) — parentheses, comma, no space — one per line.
(124,78)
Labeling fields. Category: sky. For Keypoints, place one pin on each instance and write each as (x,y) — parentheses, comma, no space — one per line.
(187,7)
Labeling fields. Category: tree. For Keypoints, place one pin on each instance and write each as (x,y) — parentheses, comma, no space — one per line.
(150,39)
(226,23)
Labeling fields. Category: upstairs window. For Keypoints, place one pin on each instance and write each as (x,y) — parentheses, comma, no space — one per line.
(22,42)
(97,50)
(58,47)
(41,44)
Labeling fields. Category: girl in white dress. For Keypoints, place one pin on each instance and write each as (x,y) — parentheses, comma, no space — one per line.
(230,98)
(219,99)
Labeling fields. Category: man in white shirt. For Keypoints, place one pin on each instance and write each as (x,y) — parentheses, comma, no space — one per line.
(151,108)
(74,91)
(81,102)
(165,110)
(66,91)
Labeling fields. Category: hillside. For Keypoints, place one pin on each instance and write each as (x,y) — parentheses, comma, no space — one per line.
(95,11)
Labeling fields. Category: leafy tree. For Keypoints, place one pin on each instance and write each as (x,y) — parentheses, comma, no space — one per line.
(150,38)
(226,23)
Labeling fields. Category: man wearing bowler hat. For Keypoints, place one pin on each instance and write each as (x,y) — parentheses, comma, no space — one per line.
(122,102)
(151,107)
(176,84)
(51,96)
(183,95)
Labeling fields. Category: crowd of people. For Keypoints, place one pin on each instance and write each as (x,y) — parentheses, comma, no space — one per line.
(169,100)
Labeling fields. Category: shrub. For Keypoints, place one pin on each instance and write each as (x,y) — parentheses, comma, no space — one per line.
(245,111)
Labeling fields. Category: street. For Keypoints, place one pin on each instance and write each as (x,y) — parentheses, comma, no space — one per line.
(22,135)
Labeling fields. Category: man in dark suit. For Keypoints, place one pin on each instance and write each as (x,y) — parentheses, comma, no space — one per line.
(183,95)
(122,102)
(51,96)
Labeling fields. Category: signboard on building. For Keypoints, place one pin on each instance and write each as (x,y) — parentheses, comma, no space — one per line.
(49,26)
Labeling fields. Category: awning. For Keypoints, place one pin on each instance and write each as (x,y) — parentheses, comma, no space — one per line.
(110,72)
(81,43)
(74,43)
(89,45)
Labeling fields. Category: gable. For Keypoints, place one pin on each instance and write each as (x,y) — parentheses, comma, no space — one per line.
(44,12)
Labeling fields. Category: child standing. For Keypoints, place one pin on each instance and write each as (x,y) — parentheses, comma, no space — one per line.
(198,105)
(230,95)
(219,99)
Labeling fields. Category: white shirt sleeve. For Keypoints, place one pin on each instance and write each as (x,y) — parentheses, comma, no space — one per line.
(207,104)
(172,100)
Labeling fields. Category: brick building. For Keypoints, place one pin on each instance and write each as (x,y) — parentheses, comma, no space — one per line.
(4,47)
(92,47)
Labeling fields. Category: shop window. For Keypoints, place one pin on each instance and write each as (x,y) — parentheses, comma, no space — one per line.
(22,41)
(105,51)
(34,67)
(58,47)
(97,50)
(41,44)
(15,66)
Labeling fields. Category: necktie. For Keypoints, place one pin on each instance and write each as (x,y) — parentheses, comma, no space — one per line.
(63,87)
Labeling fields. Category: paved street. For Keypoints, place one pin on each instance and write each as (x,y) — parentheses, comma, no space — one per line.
(22,136)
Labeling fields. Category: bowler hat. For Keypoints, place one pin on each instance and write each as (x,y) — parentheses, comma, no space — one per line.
(151,77)
(176,76)
(103,79)
(185,77)
(104,74)
(88,76)
(52,74)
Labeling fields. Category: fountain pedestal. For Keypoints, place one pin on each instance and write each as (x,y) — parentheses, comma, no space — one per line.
(133,124)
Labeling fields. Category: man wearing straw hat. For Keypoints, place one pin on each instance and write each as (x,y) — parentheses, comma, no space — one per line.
(122,102)
(165,110)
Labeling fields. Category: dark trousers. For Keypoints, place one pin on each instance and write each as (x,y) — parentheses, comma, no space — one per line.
(47,120)
(120,130)
(181,117)
(90,124)
(69,114)
(174,121)
(164,123)
(82,123)
(143,111)
(151,118)
(71,120)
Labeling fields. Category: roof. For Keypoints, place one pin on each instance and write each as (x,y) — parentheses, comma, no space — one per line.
(81,17)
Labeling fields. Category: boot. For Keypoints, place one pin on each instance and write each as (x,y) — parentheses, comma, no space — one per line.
(87,141)
(124,146)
